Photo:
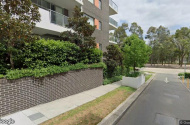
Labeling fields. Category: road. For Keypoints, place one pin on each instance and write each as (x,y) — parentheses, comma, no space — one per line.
(161,103)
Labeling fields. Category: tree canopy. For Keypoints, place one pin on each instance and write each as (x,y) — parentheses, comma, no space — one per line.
(137,53)
(17,19)
(82,35)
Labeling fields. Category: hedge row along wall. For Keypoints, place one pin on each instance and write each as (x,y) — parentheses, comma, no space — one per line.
(16,95)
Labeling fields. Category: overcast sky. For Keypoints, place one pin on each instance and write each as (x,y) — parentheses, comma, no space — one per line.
(169,13)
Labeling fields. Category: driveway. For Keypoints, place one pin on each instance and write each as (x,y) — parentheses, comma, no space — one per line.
(161,103)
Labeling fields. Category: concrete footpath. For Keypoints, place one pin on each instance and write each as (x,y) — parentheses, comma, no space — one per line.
(44,112)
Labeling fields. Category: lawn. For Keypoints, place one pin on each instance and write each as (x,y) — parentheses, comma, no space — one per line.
(93,112)
(147,77)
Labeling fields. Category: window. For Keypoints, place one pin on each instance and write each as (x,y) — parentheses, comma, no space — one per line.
(90,20)
(100,46)
(100,25)
(42,3)
(92,1)
(100,4)
(45,4)
(65,12)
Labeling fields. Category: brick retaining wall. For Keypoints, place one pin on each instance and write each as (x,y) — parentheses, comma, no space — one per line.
(16,95)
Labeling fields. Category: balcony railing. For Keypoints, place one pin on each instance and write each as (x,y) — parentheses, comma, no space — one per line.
(113,5)
(58,18)
(112,39)
(113,22)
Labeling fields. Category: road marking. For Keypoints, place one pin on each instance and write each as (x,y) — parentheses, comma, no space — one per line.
(166,80)
(171,95)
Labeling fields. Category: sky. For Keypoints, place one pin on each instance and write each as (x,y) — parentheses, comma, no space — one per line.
(173,14)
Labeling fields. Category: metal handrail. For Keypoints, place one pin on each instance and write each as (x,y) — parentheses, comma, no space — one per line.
(113,5)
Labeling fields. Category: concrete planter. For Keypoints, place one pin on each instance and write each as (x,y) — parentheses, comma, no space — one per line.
(133,82)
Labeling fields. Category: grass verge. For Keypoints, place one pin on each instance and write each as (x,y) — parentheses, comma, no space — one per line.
(93,112)
(147,77)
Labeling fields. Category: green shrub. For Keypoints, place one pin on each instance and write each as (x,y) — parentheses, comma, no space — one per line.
(112,58)
(3,59)
(133,74)
(90,56)
(1,76)
(186,75)
(51,70)
(44,53)
(180,74)
(97,65)
(112,80)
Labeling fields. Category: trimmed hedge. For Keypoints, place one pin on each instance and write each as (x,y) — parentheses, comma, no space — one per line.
(44,53)
(187,75)
(112,80)
(37,73)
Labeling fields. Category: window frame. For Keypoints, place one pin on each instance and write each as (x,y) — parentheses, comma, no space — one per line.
(90,17)
(100,46)
(100,4)
(100,25)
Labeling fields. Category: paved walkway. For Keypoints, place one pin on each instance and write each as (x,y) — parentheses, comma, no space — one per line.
(41,113)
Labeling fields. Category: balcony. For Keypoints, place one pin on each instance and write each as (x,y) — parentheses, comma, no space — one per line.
(113,8)
(58,18)
(112,40)
(51,23)
(112,24)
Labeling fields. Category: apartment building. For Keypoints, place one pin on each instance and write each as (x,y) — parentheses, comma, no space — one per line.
(55,14)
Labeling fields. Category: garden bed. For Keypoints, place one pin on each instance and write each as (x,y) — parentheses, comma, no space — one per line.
(134,82)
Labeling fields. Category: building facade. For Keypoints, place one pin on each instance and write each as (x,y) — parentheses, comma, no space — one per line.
(55,14)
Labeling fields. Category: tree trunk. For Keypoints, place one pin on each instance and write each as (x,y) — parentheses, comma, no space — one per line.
(181,64)
(11,60)
(151,60)
(134,67)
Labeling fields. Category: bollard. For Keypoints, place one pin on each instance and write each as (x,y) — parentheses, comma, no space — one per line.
(188,83)
(183,79)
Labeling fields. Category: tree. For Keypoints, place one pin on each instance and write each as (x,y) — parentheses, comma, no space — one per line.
(182,42)
(82,35)
(137,53)
(151,35)
(159,40)
(111,37)
(113,58)
(17,19)
(120,33)
(137,30)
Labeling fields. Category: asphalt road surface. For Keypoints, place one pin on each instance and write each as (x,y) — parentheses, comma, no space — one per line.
(161,103)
